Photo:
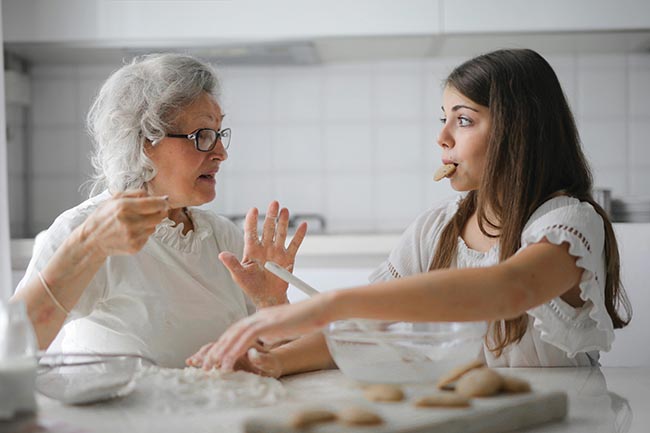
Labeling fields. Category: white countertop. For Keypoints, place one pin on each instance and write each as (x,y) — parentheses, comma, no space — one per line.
(600,401)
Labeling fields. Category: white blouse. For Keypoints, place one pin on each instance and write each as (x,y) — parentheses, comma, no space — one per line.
(163,302)
(558,334)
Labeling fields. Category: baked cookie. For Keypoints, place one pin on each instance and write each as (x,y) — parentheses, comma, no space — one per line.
(355,415)
(443,399)
(309,417)
(447,379)
(383,392)
(481,382)
(514,385)
(444,171)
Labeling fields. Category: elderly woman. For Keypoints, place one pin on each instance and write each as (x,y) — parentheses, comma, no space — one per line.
(136,268)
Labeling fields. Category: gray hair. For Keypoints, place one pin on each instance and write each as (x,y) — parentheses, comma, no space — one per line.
(138,102)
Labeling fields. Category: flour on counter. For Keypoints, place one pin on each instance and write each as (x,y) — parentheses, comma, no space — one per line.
(190,389)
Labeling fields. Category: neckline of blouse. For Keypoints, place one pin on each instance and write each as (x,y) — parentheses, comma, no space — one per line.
(171,234)
(474,253)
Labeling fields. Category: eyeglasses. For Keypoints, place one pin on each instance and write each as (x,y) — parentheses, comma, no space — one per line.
(205,138)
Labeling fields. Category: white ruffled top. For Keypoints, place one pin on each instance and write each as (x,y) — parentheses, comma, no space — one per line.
(164,302)
(558,334)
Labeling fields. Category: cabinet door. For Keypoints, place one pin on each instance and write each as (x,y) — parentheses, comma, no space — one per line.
(630,348)
(164,23)
(504,16)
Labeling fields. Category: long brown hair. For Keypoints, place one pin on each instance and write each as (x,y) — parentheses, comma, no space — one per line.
(533,155)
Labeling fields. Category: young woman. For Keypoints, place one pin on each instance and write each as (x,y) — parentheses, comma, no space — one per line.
(525,248)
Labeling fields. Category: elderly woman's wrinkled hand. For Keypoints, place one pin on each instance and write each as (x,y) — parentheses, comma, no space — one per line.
(258,359)
(123,224)
(264,288)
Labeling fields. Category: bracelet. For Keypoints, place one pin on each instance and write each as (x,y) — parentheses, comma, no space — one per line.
(51,295)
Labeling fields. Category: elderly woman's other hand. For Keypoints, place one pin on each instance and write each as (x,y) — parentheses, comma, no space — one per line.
(268,325)
(258,359)
(264,288)
(123,224)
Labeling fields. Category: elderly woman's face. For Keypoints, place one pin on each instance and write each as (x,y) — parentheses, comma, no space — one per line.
(185,174)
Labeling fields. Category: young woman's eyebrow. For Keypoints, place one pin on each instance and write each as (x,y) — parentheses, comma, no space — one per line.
(458,107)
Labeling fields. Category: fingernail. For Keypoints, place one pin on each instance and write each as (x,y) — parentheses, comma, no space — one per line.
(253,354)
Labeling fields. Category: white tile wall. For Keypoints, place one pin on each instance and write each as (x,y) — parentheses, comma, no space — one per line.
(349,203)
(348,94)
(355,142)
(51,195)
(348,148)
(299,94)
(604,142)
(398,147)
(15,148)
(297,149)
(54,101)
(54,151)
(17,218)
(301,193)
(16,169)
(602,86)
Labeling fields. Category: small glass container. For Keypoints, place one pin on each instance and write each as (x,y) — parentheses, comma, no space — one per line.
(17,361)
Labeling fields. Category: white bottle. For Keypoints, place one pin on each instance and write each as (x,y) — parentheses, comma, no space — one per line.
(17,360)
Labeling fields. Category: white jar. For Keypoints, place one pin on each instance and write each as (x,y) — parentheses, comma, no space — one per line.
(17,360)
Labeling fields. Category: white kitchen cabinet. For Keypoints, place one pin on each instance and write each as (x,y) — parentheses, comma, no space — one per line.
(631,346)
(174,23)
(163,23)
(504,16)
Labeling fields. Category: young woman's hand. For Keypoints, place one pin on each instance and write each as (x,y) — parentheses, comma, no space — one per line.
(264,288)
(123,224)
(267,325)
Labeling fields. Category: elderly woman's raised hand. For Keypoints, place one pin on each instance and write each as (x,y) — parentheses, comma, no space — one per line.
(264,288)
(123,224)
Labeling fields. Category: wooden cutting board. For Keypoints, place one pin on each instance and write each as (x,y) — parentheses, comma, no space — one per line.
(489,415)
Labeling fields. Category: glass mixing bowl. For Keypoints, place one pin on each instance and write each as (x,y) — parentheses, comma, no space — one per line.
(77,378)
(402,352)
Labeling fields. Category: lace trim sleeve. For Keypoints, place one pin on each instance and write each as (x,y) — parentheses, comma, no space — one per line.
(571,329)
(384,272)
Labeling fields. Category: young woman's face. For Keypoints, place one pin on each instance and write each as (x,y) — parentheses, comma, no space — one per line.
(464,138)
(186,174)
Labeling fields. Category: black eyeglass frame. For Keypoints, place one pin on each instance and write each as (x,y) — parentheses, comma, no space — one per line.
(194,136)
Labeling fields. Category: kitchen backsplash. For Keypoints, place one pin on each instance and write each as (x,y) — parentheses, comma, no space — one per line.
(353,142)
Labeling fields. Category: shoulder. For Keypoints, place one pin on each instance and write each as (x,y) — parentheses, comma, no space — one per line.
(414,250)
(569,216)
(437,216)
(564,209)
(69,220)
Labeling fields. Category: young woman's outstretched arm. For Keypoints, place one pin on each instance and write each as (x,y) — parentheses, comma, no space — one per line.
(535,275)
